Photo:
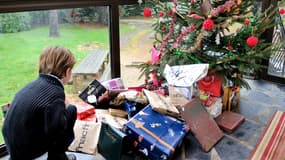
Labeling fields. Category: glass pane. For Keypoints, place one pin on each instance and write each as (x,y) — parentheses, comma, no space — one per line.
(23,35)
(136,40)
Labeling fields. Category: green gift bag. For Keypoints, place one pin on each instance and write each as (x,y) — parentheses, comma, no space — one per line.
(113,142)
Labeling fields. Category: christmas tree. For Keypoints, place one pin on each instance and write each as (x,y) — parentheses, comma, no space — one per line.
(224,34)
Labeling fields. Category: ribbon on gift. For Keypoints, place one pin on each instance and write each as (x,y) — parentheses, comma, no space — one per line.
(140,125)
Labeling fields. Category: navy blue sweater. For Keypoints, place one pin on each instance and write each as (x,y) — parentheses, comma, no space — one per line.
(37,118)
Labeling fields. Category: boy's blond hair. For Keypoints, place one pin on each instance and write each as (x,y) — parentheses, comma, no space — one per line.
(56,60)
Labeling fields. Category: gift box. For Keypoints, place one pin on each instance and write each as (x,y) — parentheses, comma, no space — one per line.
(95,94)
(161,103)
(118,113)
(180,95)
(92,117)
(84,110)
(155,134)
(103,115)
(132,108)
(212,84)
(116,83)
(216,108)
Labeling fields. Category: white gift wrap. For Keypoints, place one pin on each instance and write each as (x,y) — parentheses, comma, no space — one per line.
(216,108)
(185,75)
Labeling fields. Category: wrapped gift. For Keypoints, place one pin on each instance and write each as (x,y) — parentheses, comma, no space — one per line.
(95,94)
(211,84)
(155,134)
(132,108)
(216,108)
(135,96)
(84,110)
(161,103)
(180,95)
(92,117)
(118,112)
(116,83)
(103,115)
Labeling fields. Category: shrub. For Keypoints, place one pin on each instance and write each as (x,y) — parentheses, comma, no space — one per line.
(14,22)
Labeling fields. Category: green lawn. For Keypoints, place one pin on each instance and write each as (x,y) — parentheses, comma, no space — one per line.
(19,53)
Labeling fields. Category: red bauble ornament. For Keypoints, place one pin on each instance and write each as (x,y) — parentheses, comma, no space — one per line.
(161,14)
(163,28)
(246,22)
(281,11)
(252,41)
(230,47)
(192,28)
(170,13)
(208,24)
(147,12)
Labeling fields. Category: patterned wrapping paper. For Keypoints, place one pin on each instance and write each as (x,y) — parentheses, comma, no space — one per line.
(103,115)
(116,83)
(155,134)
(161,103)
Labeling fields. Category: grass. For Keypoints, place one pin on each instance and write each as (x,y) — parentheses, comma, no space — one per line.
(19,53)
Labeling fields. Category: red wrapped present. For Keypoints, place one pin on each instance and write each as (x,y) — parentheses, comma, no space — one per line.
(212,84)
(84,110)
(91,118)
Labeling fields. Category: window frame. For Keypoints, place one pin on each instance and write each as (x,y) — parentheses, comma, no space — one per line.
(7,6)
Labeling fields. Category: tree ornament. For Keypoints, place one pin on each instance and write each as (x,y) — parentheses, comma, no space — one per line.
(170,13)
(205,7)
(281,11)
(163,28)
(140,1)
(239,2)
(147,12)
(218,39)
(246,22)
(252,41)
(230,47)
(208,24)
(192,28)
(161,14)
(214,12)
(195,16)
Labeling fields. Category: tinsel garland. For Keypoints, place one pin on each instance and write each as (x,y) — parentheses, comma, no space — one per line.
(171,31)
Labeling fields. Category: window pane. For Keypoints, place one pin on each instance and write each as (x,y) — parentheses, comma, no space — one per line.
(24,34)
(136,38)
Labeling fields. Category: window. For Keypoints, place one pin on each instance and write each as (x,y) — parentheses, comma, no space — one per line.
(135,46)
(21,44)
(24,34)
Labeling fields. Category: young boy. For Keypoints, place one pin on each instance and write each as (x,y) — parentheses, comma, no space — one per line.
(40,119)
